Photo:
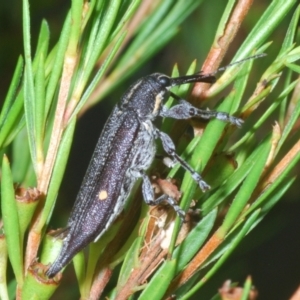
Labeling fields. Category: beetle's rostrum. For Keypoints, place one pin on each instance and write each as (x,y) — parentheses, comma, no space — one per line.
(124,152)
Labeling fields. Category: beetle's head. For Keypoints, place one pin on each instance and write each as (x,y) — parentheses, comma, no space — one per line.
(146,96)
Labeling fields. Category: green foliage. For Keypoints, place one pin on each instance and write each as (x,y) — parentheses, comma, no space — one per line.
(101,44)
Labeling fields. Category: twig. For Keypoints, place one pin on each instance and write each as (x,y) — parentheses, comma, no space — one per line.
(220,47)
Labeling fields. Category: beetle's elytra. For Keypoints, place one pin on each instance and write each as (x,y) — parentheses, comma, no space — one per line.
(125,150)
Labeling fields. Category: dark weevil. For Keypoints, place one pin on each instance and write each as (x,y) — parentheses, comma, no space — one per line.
(125,150)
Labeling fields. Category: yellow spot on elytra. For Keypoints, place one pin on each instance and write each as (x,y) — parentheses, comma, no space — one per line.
(103,195)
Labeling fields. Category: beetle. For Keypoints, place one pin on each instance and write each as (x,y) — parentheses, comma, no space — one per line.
(125,150)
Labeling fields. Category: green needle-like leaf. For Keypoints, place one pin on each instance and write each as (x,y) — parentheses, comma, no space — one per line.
(40,107)
(3,268)
(29,95)
(160,281)
(246,189)
(130,262)
(58,171)
(57,63)
(11,221)
(243,231)
(8,102)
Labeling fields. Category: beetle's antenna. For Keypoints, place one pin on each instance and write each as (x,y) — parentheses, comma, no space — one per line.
(210,77)
(238,62)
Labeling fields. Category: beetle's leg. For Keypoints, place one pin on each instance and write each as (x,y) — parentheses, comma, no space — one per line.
(148,195)
(169,147)
(185,110)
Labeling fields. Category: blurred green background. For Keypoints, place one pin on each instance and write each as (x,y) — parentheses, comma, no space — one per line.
(270,254)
